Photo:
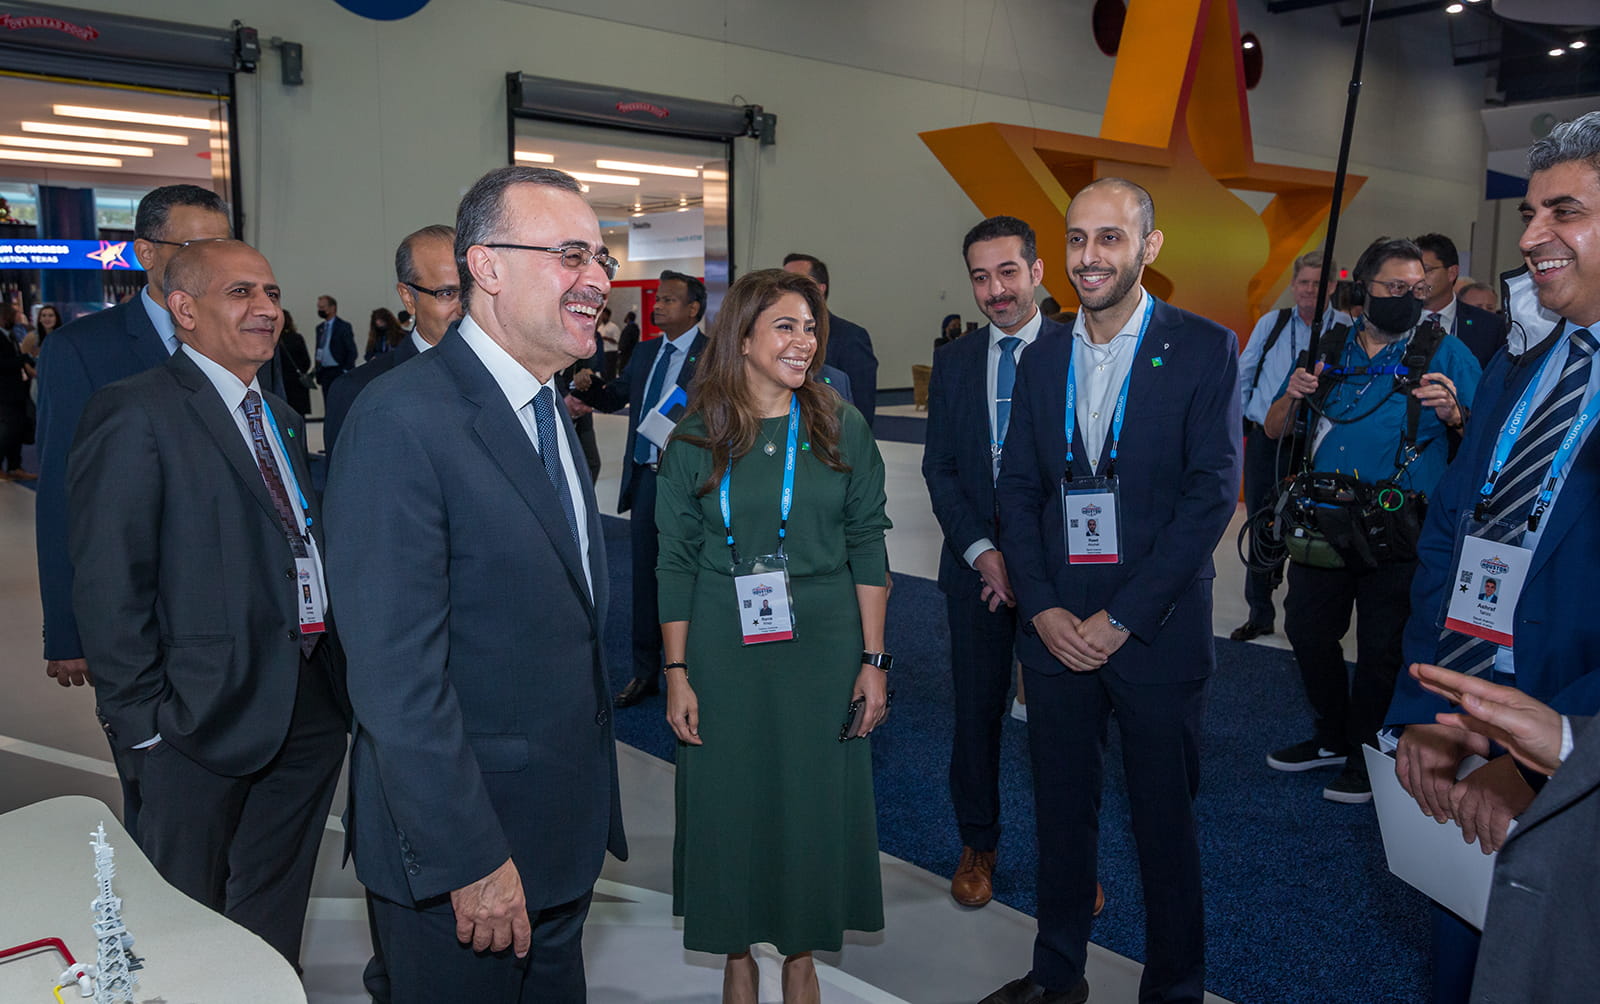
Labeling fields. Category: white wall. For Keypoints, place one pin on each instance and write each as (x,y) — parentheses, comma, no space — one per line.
(396,119)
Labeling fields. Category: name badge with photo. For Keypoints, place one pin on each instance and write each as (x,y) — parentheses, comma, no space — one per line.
(310,598)
(766,612)
(1090,517)
(1488,580)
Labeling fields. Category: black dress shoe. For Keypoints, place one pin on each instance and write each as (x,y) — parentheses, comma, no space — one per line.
(636,691)
(1249,631)
(1025,991)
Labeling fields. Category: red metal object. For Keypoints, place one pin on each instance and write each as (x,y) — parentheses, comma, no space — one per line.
(33,946)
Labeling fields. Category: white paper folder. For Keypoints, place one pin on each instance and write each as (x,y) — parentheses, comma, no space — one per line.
(1427,855)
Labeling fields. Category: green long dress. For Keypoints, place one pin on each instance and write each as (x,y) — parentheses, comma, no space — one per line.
(777,838)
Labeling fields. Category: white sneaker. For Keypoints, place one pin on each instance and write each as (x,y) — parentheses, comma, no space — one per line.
(1019,711)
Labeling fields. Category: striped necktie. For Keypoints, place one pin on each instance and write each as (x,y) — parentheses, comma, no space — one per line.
(1520,482)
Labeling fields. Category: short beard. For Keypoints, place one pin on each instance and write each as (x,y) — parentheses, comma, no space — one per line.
(1106,299)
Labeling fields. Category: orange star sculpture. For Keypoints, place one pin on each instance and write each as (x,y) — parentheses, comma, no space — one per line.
(1177,121)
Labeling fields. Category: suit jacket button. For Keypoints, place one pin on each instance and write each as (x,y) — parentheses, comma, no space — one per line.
(413,870)
(288,573)
(294,636)
(602,718)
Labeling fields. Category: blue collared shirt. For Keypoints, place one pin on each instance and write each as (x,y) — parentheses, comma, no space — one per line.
(680,355)
(1366,449)
(325,355)
(1279,363)
(165,326)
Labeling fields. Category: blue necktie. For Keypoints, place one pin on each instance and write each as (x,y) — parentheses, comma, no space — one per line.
(544,420)
(1005,378)
(652,397)
(1521,480)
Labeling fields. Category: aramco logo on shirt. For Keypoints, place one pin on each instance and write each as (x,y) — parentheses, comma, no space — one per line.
(1494,566)
(761,589)
(1091,510)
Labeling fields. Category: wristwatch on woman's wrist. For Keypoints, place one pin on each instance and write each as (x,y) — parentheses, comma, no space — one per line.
(882,660)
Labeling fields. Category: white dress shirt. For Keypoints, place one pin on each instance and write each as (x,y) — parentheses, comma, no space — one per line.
(1447,316)
(161,319)
(519,386)
(325,356)
(420,342)
(1099,372)
(1028,332)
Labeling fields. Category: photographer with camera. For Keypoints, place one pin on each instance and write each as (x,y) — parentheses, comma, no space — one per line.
(1382,396)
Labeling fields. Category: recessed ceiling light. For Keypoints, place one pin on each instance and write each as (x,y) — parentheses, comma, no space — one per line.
(1249,44)
(1558,52)
(136,118)
(41,143)
(605,179)
(636,212)
(1578,44)
(624,165)
(1455,8)
(75,159)
(536,158)
(95,132)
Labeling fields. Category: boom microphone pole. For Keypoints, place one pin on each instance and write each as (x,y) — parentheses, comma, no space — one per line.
(1308,358)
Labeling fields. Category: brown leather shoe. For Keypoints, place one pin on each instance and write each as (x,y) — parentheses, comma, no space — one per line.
(973,883)
(1099,898)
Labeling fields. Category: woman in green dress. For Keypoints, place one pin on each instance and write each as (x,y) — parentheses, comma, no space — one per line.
(773,576)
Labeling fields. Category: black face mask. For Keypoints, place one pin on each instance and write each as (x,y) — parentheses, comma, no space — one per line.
(322,313)
(1393,315)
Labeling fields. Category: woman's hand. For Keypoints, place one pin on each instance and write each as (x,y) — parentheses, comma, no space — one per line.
(872,683)
(683,708)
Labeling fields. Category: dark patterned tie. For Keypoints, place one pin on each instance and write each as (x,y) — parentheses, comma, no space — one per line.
(1520,482)
(268,464)
(652,397)
(544,420)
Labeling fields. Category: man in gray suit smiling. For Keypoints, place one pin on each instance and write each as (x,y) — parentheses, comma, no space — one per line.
(483,777)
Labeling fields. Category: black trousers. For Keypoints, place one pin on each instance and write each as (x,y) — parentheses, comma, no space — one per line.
(13,431)
(646,545)
(1264,467)
(326,375)
(584,427)
(981,645)
(246,846)
(1160,730)
(1349,709)
(427,965)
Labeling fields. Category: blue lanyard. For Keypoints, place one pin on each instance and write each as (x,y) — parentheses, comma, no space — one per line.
(1513,428)
(786,500)
(305,507)
(1071,418)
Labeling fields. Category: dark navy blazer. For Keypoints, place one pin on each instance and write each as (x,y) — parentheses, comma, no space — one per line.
(1484,333)
(1179,472)
(850,349)
(956,461)
(1557,634)
(342,392)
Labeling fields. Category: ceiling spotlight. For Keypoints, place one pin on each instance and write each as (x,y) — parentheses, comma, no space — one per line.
(1455,8)
(1558,52)
(1578,44)
(636,212)
(1249,44)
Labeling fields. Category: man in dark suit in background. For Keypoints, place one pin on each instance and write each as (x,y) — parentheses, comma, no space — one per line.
(336,345)
(969,409)
(656,370)
(1122,622)
(1555,645)
(1484,333)
(77,361)
(483,776)
(849,345)
(193,535)
(425,278)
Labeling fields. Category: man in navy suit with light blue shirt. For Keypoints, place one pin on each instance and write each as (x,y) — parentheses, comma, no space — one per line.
(1542,472)
(657,369)
(969,409)
(1120,621)
(336,345)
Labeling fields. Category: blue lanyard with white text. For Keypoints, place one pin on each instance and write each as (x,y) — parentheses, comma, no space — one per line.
(1071,419)
(786,500)
(305,507)
(1558,465)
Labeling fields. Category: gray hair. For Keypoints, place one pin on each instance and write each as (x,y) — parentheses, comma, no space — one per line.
(1569,141)
(481,215)
(405,256)
(1313,259)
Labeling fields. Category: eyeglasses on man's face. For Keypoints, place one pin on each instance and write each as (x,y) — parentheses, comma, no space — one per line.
(573,256)
(1399,287)
(444,294)
(184,244)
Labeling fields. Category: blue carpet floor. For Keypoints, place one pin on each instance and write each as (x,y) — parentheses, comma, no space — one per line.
(1300,906)
(900,428)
